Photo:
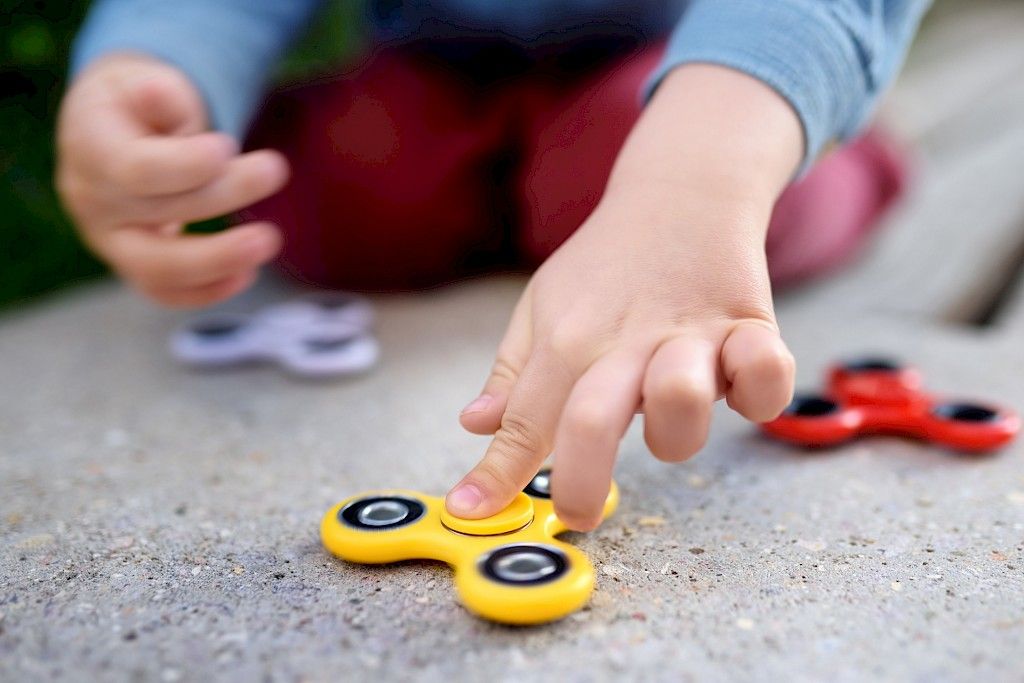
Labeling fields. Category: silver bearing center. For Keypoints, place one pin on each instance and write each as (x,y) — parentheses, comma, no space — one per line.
(383,513)
(542,483)
(524,565)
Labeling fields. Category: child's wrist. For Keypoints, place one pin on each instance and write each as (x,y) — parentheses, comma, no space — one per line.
(717,206)
(719,234)
(723,192)
(711,136)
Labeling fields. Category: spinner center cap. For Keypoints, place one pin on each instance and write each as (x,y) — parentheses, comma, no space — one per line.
(518,514)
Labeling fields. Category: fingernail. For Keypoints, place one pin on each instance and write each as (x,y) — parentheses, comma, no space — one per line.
(478,405)
(464,499)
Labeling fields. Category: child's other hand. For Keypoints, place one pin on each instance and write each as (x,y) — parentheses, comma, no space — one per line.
(136,163)
(660,301)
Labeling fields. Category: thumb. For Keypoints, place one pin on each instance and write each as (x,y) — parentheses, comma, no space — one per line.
(167,102)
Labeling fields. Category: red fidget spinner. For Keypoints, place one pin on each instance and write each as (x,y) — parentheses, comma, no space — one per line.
(879,396)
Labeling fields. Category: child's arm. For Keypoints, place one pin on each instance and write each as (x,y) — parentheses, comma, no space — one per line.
(136,157)
(661,299)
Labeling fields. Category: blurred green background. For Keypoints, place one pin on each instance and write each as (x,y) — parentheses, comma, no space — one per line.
(38,248)
(39,251)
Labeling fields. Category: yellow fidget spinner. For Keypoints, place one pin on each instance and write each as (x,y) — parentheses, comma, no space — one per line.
(508,567)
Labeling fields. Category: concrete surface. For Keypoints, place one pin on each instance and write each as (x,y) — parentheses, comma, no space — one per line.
(161,524)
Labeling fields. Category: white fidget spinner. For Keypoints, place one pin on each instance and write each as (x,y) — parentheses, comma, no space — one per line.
(318,336)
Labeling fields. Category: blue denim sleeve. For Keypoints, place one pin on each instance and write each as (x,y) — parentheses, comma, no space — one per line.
(226,47)
(831,59)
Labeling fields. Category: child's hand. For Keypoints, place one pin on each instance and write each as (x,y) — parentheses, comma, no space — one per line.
(135,163)
(660,301)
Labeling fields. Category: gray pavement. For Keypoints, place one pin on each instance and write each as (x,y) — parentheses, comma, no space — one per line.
(161,524)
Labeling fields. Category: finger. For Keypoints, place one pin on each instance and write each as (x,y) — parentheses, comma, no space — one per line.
(205,295)
(759,371)
(166,102)
(155,165)
(679,390)
(521,443)
(159,262)
(483,414)
(597,414)
(246,179)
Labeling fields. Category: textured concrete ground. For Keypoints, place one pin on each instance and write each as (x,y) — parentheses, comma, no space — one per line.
(161,524)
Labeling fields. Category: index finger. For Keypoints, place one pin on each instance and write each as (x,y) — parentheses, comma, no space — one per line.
(521,443)
(153,165)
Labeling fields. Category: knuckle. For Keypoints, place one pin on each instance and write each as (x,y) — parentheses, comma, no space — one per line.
(503,370)
(519,436)
(566,340)
(685,392)
(587,419)
(776,363)
(784,367)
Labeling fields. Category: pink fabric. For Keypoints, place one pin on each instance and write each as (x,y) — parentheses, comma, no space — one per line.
(821,221)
